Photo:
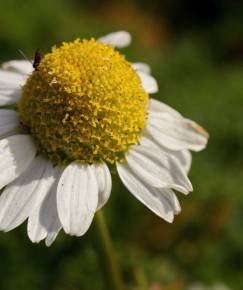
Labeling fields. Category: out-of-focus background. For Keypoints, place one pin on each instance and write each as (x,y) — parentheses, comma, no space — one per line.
(195,49)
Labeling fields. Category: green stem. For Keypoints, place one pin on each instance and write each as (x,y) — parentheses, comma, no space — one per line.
(106,254)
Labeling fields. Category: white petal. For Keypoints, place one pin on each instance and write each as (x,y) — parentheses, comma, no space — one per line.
(158,169)
(118,39)
(184,157)
(77,198)
(8,122)
(49,218)
(43,219)
(149,83)
(103,176)
(172,199)
(51,237)
(10,86)
(11,79)
(149,196)
(9,96)
(176,133)
(159,107)
(16,154)
(20,66)
(21,197)
(143,67)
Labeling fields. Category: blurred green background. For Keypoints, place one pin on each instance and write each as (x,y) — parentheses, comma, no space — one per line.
(195,49)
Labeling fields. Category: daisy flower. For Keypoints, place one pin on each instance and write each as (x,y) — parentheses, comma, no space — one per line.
(83,110)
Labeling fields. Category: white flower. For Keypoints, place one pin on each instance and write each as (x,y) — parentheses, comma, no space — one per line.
(55,197)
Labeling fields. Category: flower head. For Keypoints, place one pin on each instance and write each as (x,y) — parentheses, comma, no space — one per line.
(95,99)
(85,108)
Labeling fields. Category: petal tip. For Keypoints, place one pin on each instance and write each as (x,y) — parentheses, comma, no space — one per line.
(170,219)
(119,39)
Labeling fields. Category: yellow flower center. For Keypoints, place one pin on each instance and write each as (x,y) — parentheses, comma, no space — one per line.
(84,102)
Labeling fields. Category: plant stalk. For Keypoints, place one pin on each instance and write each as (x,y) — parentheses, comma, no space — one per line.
(106,254)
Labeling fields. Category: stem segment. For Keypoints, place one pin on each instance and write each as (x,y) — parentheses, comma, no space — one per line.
(106,254)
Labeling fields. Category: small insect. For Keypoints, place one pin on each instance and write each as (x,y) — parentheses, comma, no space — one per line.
(37,59)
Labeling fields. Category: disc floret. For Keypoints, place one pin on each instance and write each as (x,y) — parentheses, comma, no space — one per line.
(85,102)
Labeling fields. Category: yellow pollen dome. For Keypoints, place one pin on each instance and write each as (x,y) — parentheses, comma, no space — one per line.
(84,102)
